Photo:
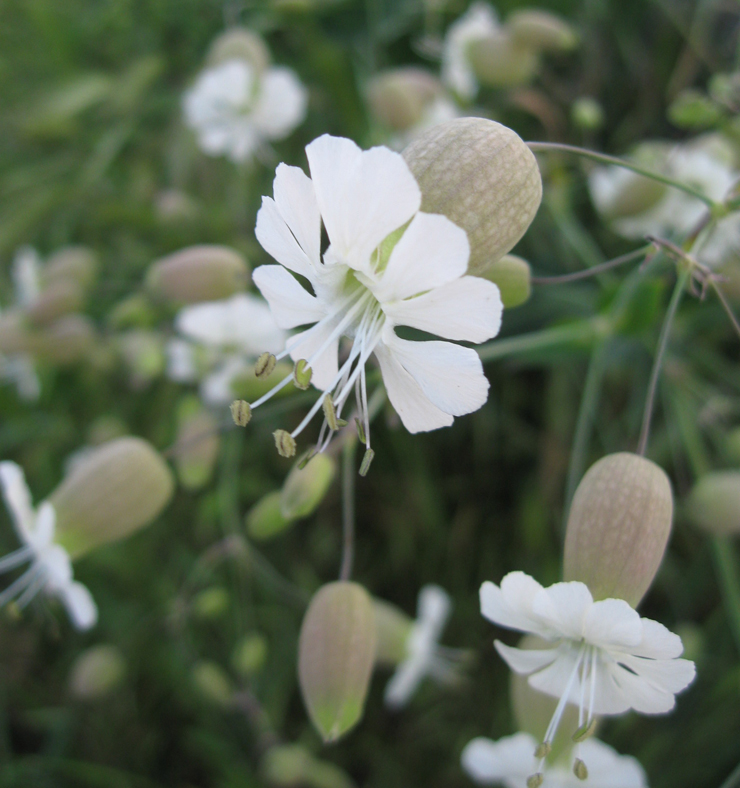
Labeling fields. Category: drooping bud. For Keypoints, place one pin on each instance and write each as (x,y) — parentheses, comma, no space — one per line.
(482,176)
(284,443)
(618,527)
(398,97)
(96,672)
(541,30)
(336,651)
(57,300)
(241,412)
(393,628)
(197,446)
(117,489)
(513,276)
(198,273)
(65,341)
(500,62)
(238,43)
(265,519)
(250,654)
(76,264)
(292,765)
(213,683)
(305,487)
(302,374)
(714,503)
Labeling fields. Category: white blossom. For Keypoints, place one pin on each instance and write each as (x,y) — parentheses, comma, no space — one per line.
(234,109)
(221,341)
(508,762)
(50,567)
(387,264)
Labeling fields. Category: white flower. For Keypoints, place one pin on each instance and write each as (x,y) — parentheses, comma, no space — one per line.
(505,762)
(367,283)
(50,566)
(424,656)
(605,658)
(233,109)
(225,337)
(480,21)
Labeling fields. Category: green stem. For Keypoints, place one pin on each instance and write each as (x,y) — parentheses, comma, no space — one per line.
(348,508)
(606,159)
(593,271)
(582,331)
(729,581)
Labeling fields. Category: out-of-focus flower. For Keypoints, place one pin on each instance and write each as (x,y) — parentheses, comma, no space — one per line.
(222,341)
(234,108)
(387,264)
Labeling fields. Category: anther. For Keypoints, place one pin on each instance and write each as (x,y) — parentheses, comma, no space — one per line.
(535,780)
(580,770)
(285,443)
(585,731)
(330,414)
(241,412)
(265,365)
(361,431)
(307,457)
(543,750)
(302,374)
(366,461)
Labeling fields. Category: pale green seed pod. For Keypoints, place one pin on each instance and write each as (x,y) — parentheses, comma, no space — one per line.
(482,176)
(238,43)
(250,654)
(292,765)
(305,488)
(500,62)
(618,527)
(65,341)
(265,519)
(513,277)
(212,683)
(714,503)
(541,30)
(336,652)
(76,264)
(198,273)
(393,628)
(398,97)
(117,489)
(59,299)
(96,672)
(197,446)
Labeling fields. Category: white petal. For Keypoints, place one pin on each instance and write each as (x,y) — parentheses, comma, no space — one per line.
(658,642)
(670,675)
(180,361)
(511,605)
(612,622)
(431,252)
(18,499)
(554,678)
(281,104)
(277,240)
(467,309)
(641,694)
(488,761)
(43,533)
(404,682)
(417,413)
(326,366)
(296,200)
(25,274)
(216,388)
(563,606)
(433,610)
(291,304)
(608,769)
(80,605)
(450,376)
(363,195)
(526,660)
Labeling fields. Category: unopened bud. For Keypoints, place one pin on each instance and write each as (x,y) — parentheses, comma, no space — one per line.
(238,43)
(367,460)
(398,97)
(65,341)
(500,62)
(541,30)
(305,488)
(481,176)
(580,770)
(197,447)
(302,374)
(117,489)
(76,264)
(265,365)
(535,780)
(513,277)
(284,443)
(250,654)
(241,412)
(213,684)
(198,273)
(714,503)
(265,519)
(393,628)
(618,527)
(586,113)
(211,603)
(57,300)
(96,672)
(543,749)
(336,651)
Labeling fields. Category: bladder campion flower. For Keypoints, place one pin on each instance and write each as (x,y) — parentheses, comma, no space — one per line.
(387,264)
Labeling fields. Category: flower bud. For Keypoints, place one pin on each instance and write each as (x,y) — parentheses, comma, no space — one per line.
(618,527)
(499,62)
(481,176)
(212,683)
(65,341)
(541,31)
(265,519)
(336,652)
(76,264)
(305,488)
(198,273)
(250,654)
(197,447)
(513,277)
(398,97)
(714,503)
(238,43)
(96,672)
(393,628)
(58,299)
(118,488)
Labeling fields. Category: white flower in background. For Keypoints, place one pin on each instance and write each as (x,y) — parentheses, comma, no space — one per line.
(424,655)
(705,164)
(234,109)
(50,566)
(387,264)
(504,762)
(480,21)
(605,658)
(223,339)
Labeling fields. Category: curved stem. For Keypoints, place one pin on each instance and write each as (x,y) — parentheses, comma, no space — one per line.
(593,271)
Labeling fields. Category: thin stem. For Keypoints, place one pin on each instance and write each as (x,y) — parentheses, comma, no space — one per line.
(348,508)
(594,271)
(729,581)
(606,159)
(725,305)
(665,331)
